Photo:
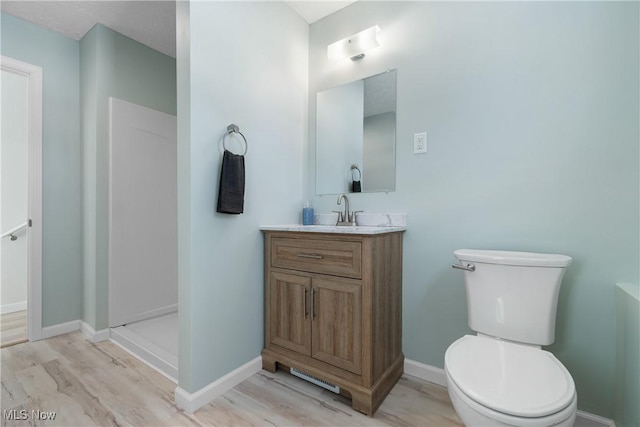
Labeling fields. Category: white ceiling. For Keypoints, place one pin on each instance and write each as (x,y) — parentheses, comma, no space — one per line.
(152,23)
(312,11)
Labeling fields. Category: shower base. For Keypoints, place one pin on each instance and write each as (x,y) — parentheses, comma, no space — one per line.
(154,341)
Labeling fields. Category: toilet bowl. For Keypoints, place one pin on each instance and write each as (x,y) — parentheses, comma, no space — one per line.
(501,376)
(498,383)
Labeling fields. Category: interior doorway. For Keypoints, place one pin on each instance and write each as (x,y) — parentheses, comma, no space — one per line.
(20,201)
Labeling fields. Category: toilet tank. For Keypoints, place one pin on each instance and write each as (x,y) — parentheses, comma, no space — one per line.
(513,295)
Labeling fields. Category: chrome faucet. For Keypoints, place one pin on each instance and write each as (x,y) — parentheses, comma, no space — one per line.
(346,217)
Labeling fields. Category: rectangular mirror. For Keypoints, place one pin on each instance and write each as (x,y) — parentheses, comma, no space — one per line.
(356,136)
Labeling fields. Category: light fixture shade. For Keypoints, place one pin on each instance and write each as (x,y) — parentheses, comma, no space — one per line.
(354,46)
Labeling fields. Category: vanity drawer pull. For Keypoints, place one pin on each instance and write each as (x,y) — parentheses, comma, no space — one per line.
(314,256)
(323,256)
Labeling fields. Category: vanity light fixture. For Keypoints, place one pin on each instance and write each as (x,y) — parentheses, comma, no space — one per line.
(354,46)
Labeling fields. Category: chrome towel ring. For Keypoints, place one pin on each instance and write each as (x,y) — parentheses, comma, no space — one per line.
(235,129)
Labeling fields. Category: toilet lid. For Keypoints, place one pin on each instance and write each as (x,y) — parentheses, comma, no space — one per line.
(510,378)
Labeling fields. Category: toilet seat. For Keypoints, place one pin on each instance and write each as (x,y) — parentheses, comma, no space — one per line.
(474,414)
(509,378)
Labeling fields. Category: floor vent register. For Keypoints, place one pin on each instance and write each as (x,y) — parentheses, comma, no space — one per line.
(314,380)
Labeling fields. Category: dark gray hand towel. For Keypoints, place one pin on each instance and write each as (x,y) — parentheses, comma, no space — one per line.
(231,189)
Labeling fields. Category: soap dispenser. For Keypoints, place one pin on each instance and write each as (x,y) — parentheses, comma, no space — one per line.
(307,213)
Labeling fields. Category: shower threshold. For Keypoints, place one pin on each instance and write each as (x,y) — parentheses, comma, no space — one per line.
(153,341)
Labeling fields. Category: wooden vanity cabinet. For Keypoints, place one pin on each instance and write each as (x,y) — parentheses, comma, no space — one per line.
(333,309)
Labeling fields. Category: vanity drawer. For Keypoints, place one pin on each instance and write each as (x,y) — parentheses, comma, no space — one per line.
(337,258)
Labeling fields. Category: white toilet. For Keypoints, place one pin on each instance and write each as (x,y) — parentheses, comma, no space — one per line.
(501,376)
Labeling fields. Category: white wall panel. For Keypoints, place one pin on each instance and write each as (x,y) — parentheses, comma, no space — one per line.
(143,213)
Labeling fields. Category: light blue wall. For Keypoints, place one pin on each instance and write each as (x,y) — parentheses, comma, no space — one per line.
(627,387)
(112,66)
(531,111)
(61,163)
(247,64)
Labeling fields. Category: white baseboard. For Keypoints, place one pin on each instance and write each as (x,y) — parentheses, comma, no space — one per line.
(585,419)
(13,307)
(60,329)
(91,334)
(146,315)
(438,376)
(425,372)
(76,325)
(191,402)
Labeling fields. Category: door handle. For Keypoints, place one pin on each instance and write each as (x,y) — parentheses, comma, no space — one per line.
(304,302)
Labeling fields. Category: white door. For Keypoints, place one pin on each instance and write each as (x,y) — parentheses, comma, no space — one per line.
(143,241)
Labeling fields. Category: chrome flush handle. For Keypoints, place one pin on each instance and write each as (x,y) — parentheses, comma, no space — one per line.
(467,267)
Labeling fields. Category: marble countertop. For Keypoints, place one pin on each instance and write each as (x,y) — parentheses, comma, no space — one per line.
(368,223)
(333,229)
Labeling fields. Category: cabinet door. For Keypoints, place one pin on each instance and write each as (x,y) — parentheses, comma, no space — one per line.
(337,323)
(289,320)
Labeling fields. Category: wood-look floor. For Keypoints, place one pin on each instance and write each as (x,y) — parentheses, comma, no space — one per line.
(100,384)
(13,328)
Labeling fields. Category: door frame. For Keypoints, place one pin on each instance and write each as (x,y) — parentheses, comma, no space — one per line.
(34,210)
